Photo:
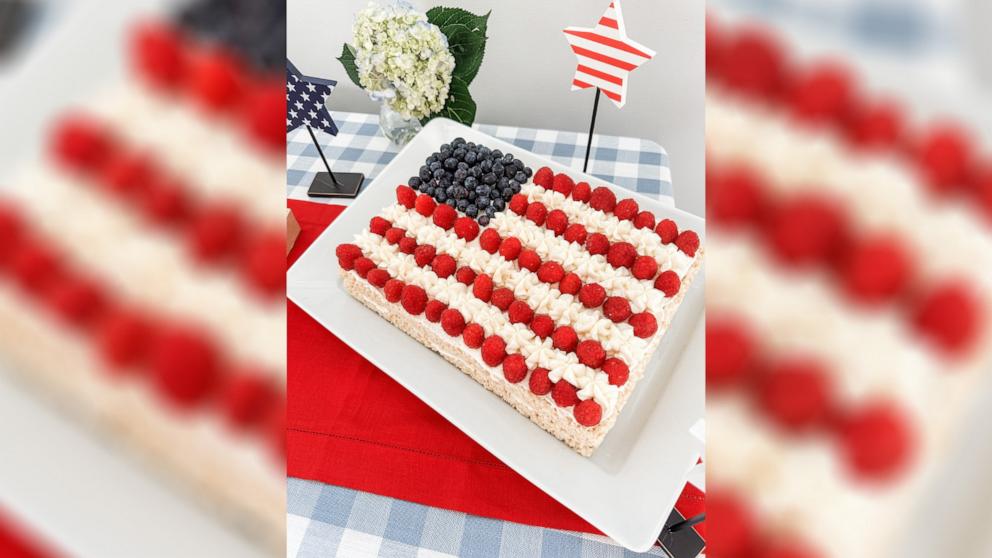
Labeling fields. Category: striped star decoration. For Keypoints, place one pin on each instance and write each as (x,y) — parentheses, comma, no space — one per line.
(306,101)
(606,55)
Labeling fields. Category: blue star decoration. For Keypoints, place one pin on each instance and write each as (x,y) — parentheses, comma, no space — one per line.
(306,101)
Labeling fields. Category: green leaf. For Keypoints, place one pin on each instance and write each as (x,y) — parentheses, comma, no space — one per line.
(347,60)
(468,47)
(459,107)
(442,16)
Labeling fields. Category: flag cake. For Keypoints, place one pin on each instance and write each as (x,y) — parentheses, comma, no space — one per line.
(142,268)
(847,303)
(552,294)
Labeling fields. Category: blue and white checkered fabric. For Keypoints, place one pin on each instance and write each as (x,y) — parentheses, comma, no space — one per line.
(632,163)
(326,521)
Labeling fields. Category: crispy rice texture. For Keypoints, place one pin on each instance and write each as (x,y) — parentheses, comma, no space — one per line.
(540,409)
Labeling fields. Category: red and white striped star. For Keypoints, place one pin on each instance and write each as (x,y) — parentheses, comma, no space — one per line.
(606,55)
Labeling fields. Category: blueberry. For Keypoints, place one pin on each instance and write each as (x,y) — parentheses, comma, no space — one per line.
(450,191)
(484,190)
(414,182)
(528,172)
(483,220)
(503,183)
(462,165)
(507,194)
(486,166)
(497,154)
(489,178)
(451,163)
(520,177)
(472,195)
(438,174)
(460,174)
(482,201)
(484,151)
(425,173)
(461,205)
(498,168)
(490,211)
(471,211)
(428,190)
(507,159)
(471,182)
(470,145)
(470,157)
(440,196)
(499,204)
(458,141)
(475,172)
(459,153)
(445,147)
(450,202)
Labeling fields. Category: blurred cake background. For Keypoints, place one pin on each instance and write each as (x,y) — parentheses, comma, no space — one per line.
(142,261)
(849,195)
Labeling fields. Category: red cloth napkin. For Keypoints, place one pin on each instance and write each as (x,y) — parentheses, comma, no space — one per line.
(349,424)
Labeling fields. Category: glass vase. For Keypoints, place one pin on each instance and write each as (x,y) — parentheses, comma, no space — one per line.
(394,126)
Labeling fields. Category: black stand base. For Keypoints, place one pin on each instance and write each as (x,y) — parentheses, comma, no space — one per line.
(347,187)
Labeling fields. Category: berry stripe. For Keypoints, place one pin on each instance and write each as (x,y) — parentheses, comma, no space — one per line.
(518,337)
(603,58)
(609,22)
(603,40)
(607,92)
(600,74)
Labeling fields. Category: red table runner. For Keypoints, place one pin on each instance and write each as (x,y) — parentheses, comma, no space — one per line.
(349,424)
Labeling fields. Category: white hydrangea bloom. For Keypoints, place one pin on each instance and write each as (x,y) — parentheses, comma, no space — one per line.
(403,58)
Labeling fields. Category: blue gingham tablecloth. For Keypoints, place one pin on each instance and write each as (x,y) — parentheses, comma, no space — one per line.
(325,520)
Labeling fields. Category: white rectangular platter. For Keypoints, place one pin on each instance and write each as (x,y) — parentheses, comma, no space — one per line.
(629,486)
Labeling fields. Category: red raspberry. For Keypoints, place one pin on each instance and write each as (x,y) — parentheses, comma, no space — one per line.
(948,315)
(597,244)
(537,213)
(425,205)
(544,177)
(11,231)
(563,184)
(165,202)
(502,298)
(493,350)
(452,322)
(575,233)
(688,242)
(433,310)
(582,192)
(617,370)
(788,548)
(550,272)
(876,269)
(158,54)
(514,368)
(406,196)
(378,277)
(621,254)
(379,226)
(556,221)
(424,254)
(570,284)
(626,209)
(645,267)
(603,199)
(443,265)
(123,338)
(184,366)
(35,265)
(465,275)
(877,441)
(735,196)
(807,229)
(394,235)
(76,300)
(490,241)
(668,282)
(363,265)
(444,216)
(482,288)
(473,335)
(264,112)
(591,353)
(592,295)
(822,95)
(731,352)
(126,173)
(245,397)
(393,290)
(510,248)
(667,230)
(733,530)
(539,382)
(645,324)
(520,312)
(216,80)
(588,413)
(542,325)
(564,394)
(413,299)
(529,260)
(347,254)
(565,339)
(518,204)
(644,220)
(754,65)
(877,125)
(617,309)
(408,245)
(466,228)
(796,394)
(215,232)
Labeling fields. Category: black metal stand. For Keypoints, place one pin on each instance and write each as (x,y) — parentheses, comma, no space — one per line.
(592,127)
(331,184)
(678,539)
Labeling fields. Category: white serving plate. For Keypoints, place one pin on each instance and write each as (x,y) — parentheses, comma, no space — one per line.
(629,486)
